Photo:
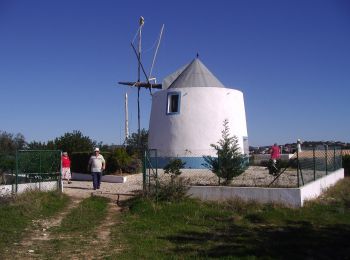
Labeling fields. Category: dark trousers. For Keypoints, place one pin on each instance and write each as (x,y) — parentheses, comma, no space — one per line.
(96,179)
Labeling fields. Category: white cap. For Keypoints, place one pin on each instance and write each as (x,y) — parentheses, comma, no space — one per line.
(96,149)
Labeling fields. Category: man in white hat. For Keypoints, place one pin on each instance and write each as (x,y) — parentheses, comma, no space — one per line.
(96,165)
(299,145)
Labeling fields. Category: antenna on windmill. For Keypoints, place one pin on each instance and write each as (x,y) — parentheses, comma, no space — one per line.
(150,77)
(126,117)
(139,84)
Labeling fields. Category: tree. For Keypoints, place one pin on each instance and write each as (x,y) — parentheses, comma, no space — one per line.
(34,145)
(229,162)
(174,167)
(132,143)
(9,143)
(74,142)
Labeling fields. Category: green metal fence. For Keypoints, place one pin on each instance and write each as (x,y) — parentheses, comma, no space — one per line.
(302,168)
(317,162)
(150,171)
(38,169)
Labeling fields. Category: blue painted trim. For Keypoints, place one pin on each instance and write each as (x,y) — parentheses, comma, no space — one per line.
(178,103)
(191,162)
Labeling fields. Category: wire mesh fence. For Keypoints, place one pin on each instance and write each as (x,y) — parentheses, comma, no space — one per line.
(317,162)
(297,170)
(39,169)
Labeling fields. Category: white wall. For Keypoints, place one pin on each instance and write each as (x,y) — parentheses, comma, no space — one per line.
(315,188)
(42,186)
(105,178)
(199,123)
(294,197)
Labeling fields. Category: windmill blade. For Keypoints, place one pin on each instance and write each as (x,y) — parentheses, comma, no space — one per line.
(156,51)
(138,58)
(140,84)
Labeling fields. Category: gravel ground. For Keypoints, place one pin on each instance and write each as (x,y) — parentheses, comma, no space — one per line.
(254,176)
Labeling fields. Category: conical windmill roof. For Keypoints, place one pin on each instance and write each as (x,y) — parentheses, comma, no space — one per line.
(195,74)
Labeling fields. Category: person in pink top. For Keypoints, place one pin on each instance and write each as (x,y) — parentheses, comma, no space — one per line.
(66,174)
(275,153)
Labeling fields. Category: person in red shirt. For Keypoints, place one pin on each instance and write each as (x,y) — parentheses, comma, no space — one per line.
(275,153)
(66,174)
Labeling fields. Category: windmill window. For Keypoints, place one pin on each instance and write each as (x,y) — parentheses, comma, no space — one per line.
(173,104)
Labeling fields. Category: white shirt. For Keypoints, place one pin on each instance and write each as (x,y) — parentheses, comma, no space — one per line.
(96,163)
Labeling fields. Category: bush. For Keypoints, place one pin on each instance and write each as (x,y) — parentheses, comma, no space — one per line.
(173,167)
(120,161)
(230,161)
(175,190)
(7,163)
(79,162)
(117,161)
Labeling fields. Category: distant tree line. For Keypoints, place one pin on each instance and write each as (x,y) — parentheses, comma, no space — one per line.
(120,158)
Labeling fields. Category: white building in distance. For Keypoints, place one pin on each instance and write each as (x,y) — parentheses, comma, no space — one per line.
(188,113)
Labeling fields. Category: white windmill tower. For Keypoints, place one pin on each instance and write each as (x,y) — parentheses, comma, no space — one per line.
(188,113)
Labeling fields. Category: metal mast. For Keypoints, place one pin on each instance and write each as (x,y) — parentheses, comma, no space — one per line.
(140,68)
(126,118)
(142,21)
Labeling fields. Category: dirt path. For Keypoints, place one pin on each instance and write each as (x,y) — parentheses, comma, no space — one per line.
(99,246)
(37,233)
(40,242)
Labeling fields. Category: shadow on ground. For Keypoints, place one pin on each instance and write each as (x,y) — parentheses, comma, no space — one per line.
(297,240)
(77,188)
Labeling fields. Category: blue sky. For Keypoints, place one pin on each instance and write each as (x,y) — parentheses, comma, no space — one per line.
(60,62)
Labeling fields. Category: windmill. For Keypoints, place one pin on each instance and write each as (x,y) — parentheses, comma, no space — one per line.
(150,80)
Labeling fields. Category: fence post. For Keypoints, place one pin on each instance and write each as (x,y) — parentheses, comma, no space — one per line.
(219,169)
(16,171)
(326,155)
(298,166)
(156,182)
(314,159)
(60,181)
(334,158)
(144,170)
(40,173)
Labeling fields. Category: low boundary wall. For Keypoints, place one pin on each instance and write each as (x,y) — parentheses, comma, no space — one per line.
(294,197)
(105,178)
(42,186)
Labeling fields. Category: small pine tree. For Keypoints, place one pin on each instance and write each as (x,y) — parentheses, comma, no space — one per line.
(174,167)
(230,160)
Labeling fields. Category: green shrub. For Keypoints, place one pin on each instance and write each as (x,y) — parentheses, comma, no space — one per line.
(230,161)
(7,163)
(175,190)
(173,167)
(120,161)
(117,161)
(79,162)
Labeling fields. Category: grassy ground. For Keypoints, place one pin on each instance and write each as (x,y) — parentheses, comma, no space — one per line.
(76,234)
(17,213)
(191,229)
(94,229)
